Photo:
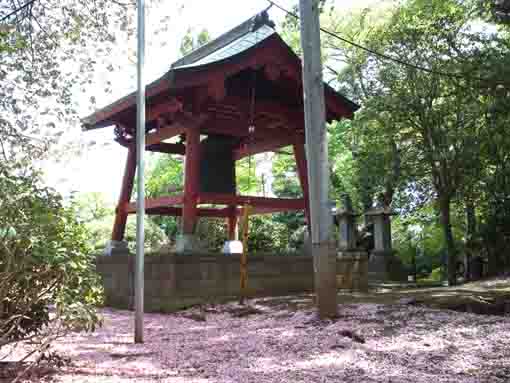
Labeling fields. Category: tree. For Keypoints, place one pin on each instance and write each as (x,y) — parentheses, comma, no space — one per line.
(422,129)
(192,40)
(48,53)
(44,260)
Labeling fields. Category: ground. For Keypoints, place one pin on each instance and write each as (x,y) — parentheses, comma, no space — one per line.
(399,339)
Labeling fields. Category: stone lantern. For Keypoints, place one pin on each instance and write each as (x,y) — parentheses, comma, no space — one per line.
(346,220)
(383,265)
(352,263)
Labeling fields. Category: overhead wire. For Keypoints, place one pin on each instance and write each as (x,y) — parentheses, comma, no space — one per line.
(27,4)
(391,58)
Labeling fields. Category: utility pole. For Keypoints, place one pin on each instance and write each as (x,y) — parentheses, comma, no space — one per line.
(323,251)
(140,199)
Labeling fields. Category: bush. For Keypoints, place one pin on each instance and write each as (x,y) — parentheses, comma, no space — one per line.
(265,234)
(44,261)
(434,277)
(101,232)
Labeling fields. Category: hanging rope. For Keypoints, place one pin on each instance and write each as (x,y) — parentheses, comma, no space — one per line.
(247,207)
(251,126)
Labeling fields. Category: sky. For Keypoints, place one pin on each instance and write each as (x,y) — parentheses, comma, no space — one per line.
(100,166)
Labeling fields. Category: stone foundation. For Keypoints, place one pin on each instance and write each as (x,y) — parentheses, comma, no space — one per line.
(173,282)
(385,267)
(352,270)
(187,244)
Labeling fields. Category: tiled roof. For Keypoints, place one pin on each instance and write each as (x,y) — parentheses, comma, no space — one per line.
(237,40)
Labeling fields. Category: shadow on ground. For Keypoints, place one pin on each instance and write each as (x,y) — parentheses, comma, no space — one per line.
(488,297)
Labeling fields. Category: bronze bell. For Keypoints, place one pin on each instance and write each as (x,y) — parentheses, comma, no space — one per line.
(217,164)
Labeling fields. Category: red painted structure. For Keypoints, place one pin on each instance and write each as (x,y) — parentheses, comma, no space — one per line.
(248,76)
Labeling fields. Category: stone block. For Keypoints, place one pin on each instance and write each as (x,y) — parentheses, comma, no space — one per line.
(187,244)
(384,266)
(351,270)
(115,248)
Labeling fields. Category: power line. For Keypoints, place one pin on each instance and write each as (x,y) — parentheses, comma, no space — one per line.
(386,56)
(27,4)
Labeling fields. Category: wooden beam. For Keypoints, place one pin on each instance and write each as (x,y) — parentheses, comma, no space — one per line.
(170,106)
(267,145)
(164,147)
(261,205)
(237,200)
(179,126)
(119,225)
(177,212)
(240,128)
(288,115)
(151,203)
(164,134)
(270,210)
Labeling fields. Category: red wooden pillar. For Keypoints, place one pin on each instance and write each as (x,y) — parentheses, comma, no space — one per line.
(231,224)
(191,180)
(299,154)
(119,226)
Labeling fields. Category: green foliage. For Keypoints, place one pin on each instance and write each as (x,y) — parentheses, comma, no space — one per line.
(246,180)
(192,40)
(92,206)
(428,145)
(100,232)
(422,141)
(167,173)
(165,177)
(44,260)
(98,216)
(212,233)
(435,276)
(267,235)
(286,182)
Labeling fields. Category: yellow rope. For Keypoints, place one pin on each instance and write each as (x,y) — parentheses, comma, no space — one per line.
(244,255)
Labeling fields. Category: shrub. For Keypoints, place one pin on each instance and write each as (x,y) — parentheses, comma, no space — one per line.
(101,232)
(44,261)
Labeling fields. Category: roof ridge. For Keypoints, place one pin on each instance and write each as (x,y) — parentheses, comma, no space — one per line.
(252,24)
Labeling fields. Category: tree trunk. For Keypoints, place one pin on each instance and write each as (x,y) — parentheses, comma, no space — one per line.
(470,236)
(470,220)
(393,176)
(451,256)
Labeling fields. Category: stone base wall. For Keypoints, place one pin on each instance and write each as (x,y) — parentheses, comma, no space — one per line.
(386,267)
(173,282)
(352,270)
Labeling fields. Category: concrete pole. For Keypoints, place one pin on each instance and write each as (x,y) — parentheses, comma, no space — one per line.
(317,155)
(140,200)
